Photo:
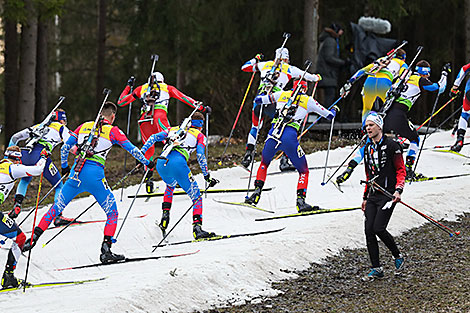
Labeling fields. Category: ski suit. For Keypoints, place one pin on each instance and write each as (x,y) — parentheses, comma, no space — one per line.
(56,134)
(174,169)
(91,178)
(377,84)
(159,121)
(285,73)
(9,173)
(384,162)
(463,120)
(396,119)
(288,141)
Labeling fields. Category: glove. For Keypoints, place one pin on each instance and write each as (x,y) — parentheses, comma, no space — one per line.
(259,57)
(65,171)
(206,109)
(446,69)
(151,164)
(334,110)
(344,91)
(44,154)
(346,174)
(258,100)
(16,210)
(212,181)
(319,77)
(130,81)
(454,91)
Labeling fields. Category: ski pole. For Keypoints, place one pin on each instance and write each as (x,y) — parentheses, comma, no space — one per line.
(448,118)
(426,133)
(130,207)
(442,107)
(352,152)
(89,207)
(236,119)
(207,146)
(32,233)
(43,198)
(328,151)
(127,133)
(182,216)
(433,221)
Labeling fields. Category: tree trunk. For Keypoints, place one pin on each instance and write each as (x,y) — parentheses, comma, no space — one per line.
(27,75)
(101,50)
(467,29)
(11,76)
(41,73)
(311,31)
(179,81)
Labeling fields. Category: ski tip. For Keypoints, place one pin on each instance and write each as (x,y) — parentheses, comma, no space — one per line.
(45,244)
(323,183)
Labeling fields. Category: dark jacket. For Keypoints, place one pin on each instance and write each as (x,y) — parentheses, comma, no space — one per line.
(387,163)
(328,61)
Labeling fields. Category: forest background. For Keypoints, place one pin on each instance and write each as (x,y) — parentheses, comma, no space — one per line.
(75,48)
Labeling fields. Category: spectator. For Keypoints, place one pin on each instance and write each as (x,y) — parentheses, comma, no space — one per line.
(329,62)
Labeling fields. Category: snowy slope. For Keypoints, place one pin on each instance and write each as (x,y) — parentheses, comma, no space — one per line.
(223,271)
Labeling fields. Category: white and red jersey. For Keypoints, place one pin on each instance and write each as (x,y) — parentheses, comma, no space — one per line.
(164,93)
(462,73)
(56,133)
(108,136)
(9,172)
(286,72)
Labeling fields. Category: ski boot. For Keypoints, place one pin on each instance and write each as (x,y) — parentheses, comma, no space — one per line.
(9,280)
(106,255)
(459,143)
(410,174)
(302,206)
(254,198)
(399,264)
(37,233)
(375,273)
(285,164)
(62,221)
(165,216)
(198,232)
(16,207)
(149,187)
(248,157)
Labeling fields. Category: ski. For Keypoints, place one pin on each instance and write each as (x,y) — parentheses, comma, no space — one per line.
(450,151)
(243,204)
(52,284)
(242,167)
(294,171)
(222,237)
(319,211)
(128,260)
(445,146)
(182,192)
(437,177)
(87,222)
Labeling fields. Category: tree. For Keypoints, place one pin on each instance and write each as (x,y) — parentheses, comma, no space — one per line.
(27,73)
(311,31)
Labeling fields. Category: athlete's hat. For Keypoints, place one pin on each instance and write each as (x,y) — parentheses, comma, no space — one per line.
(376,118)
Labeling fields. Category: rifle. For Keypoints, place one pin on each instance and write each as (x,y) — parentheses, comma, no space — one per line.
(285,113)
(154,58)
(175,137)
(379,64)
(86,149)
(38,132)
(271,77)
(399,87)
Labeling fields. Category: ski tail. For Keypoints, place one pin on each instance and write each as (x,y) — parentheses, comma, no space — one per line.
(52,284)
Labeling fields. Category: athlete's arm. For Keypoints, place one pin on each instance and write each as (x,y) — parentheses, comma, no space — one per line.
(153,139)
(125,98)
(20,170)
(200,153)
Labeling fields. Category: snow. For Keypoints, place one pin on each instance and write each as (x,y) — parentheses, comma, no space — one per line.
(226,271)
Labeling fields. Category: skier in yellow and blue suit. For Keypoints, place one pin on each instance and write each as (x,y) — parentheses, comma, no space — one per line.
(378,82)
